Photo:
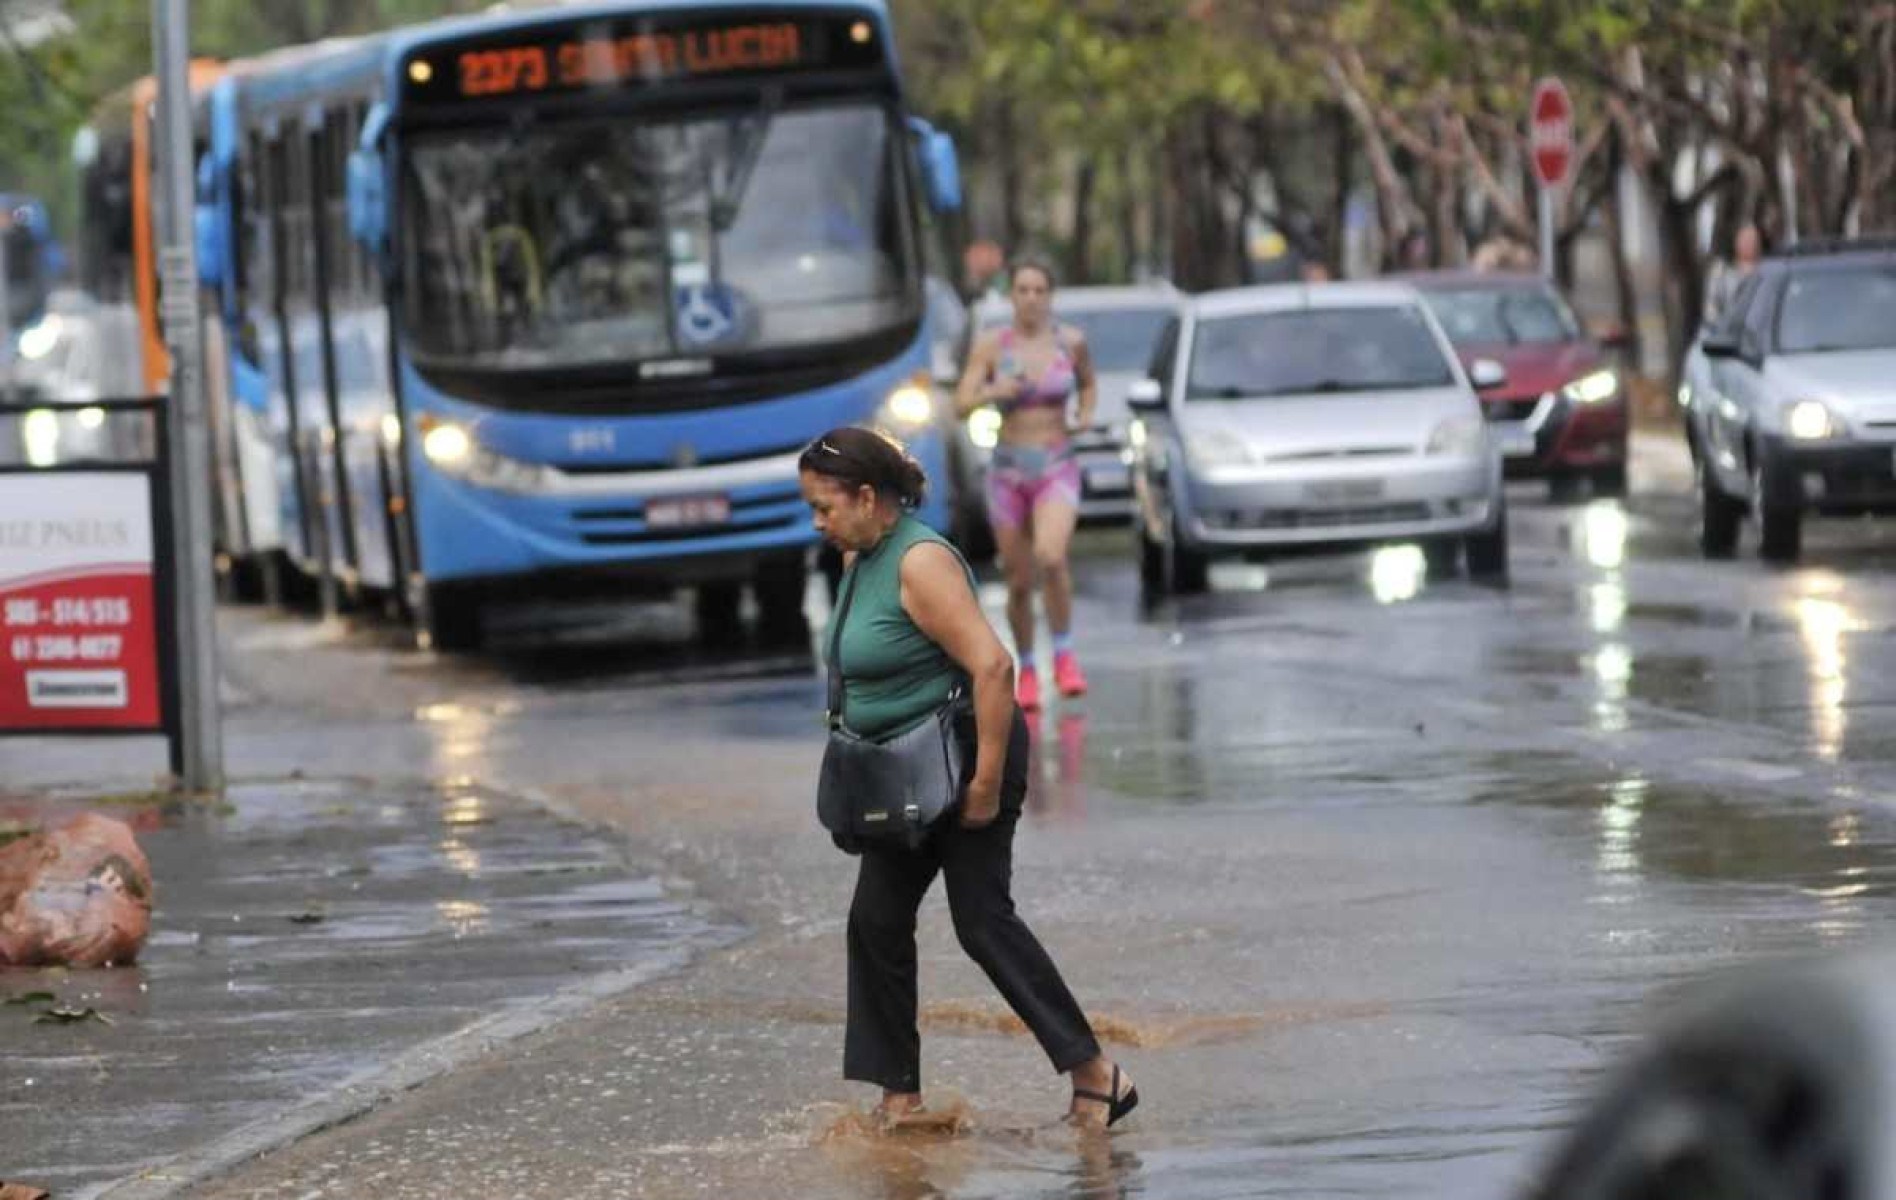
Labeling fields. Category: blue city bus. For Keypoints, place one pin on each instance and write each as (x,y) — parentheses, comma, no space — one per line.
(34,259)
(541,304)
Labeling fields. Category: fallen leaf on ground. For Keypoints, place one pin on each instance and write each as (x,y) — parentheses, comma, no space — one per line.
(22,1191)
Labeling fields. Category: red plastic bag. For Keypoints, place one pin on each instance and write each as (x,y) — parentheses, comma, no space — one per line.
(78,895)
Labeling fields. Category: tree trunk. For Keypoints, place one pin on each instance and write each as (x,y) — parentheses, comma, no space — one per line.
(1342,147)
(1129,253)
(1080,245)
(1614,218)
(1163,190)
(1685,284)
(1013,178)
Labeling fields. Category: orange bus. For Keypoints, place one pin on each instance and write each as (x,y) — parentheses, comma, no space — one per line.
(117,248)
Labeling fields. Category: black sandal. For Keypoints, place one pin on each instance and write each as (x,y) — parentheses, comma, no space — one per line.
(1118,1107)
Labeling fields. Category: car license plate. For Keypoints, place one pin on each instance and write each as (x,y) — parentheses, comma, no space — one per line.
(1345,490)
(1517,441)
(1108,479)
(687,512)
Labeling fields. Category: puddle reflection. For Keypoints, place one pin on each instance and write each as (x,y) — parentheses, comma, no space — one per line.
(1056,774)
(1821,625)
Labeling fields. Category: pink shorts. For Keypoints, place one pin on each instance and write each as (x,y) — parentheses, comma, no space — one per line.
(1022,478)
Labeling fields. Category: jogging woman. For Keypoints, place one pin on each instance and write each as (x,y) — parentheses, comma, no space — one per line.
(1031,369)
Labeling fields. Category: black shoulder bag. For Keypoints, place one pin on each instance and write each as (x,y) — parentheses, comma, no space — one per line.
(889,792)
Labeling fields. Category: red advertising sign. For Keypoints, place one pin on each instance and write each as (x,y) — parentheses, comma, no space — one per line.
(1550,132)
(78,617)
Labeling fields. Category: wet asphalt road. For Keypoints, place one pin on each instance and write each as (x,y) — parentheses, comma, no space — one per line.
(1365,877)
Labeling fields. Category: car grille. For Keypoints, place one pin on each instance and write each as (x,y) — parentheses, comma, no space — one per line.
(1317,518)
(1510,410)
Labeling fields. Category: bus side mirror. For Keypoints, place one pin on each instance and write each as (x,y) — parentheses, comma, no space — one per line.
(941,167)
(368,186)
(210,247)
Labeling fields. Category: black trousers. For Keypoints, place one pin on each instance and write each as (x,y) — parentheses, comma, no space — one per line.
(882,1044)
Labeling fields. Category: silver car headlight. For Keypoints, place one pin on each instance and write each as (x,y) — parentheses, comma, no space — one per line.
(1811,421)
(454,451)
(1594,388)
(1459,437)
(1217,448)
(984,428)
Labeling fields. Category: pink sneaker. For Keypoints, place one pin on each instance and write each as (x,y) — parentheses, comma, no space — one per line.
(1067,675)
(1027,689)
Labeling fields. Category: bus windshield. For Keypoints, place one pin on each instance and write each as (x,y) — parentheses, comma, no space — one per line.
(571,243)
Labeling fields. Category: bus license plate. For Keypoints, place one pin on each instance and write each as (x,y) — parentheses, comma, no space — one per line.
(687,512)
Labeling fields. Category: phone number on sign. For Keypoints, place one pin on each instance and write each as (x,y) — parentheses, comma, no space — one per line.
(64,612)
(97,647)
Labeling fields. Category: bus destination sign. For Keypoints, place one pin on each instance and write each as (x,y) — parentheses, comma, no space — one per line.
(575,58)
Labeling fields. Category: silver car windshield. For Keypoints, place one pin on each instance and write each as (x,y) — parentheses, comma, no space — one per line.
(1836,310)
(1121,339)
(1313,351)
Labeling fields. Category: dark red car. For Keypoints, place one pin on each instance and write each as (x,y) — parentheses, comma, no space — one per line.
(1563,413)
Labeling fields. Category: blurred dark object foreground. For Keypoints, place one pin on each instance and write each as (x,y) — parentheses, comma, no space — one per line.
(78,895)
(1779,1084)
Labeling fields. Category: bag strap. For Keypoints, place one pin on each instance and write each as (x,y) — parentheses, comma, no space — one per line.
(837,695)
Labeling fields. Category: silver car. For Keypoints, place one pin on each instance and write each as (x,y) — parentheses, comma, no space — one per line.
(1790,398)
(1290,418)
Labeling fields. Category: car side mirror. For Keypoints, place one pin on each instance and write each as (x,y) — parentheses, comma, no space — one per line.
(1146,396)
(1487,374)
(1719,343)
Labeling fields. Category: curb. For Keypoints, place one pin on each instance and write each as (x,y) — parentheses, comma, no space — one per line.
(358,1096)
(363,1093)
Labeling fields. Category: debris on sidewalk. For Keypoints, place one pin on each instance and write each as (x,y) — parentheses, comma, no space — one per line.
(22,1191)
(76,895)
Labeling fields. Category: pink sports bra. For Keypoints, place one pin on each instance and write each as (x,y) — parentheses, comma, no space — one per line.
(1055,383)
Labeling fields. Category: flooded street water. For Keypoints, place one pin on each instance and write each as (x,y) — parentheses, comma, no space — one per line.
(1367,879)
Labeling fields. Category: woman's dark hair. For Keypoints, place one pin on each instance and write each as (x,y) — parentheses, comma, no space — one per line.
(1033,262)
(856,457)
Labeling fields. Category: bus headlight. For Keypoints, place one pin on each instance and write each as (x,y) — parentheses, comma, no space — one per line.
(452,449)
(448,446)
(984,428)
(910,406)
(1809,421)
(1596,388)
(91,418)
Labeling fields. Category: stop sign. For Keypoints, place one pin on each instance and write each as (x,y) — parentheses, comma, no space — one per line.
(1550,132)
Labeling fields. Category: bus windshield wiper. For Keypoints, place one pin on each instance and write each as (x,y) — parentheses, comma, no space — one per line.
(726,206)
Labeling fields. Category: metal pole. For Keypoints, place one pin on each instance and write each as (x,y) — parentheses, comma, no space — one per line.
(1547,232)
(6,310)
(189,433)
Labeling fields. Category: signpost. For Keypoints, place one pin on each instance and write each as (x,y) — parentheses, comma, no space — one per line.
(1550,146)
(189,451)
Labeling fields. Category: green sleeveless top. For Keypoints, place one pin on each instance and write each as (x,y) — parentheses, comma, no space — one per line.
(894,677)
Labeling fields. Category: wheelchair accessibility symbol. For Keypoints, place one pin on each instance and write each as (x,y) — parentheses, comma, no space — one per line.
(707,313)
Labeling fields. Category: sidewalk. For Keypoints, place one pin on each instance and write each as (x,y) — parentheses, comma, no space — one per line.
(315,938)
